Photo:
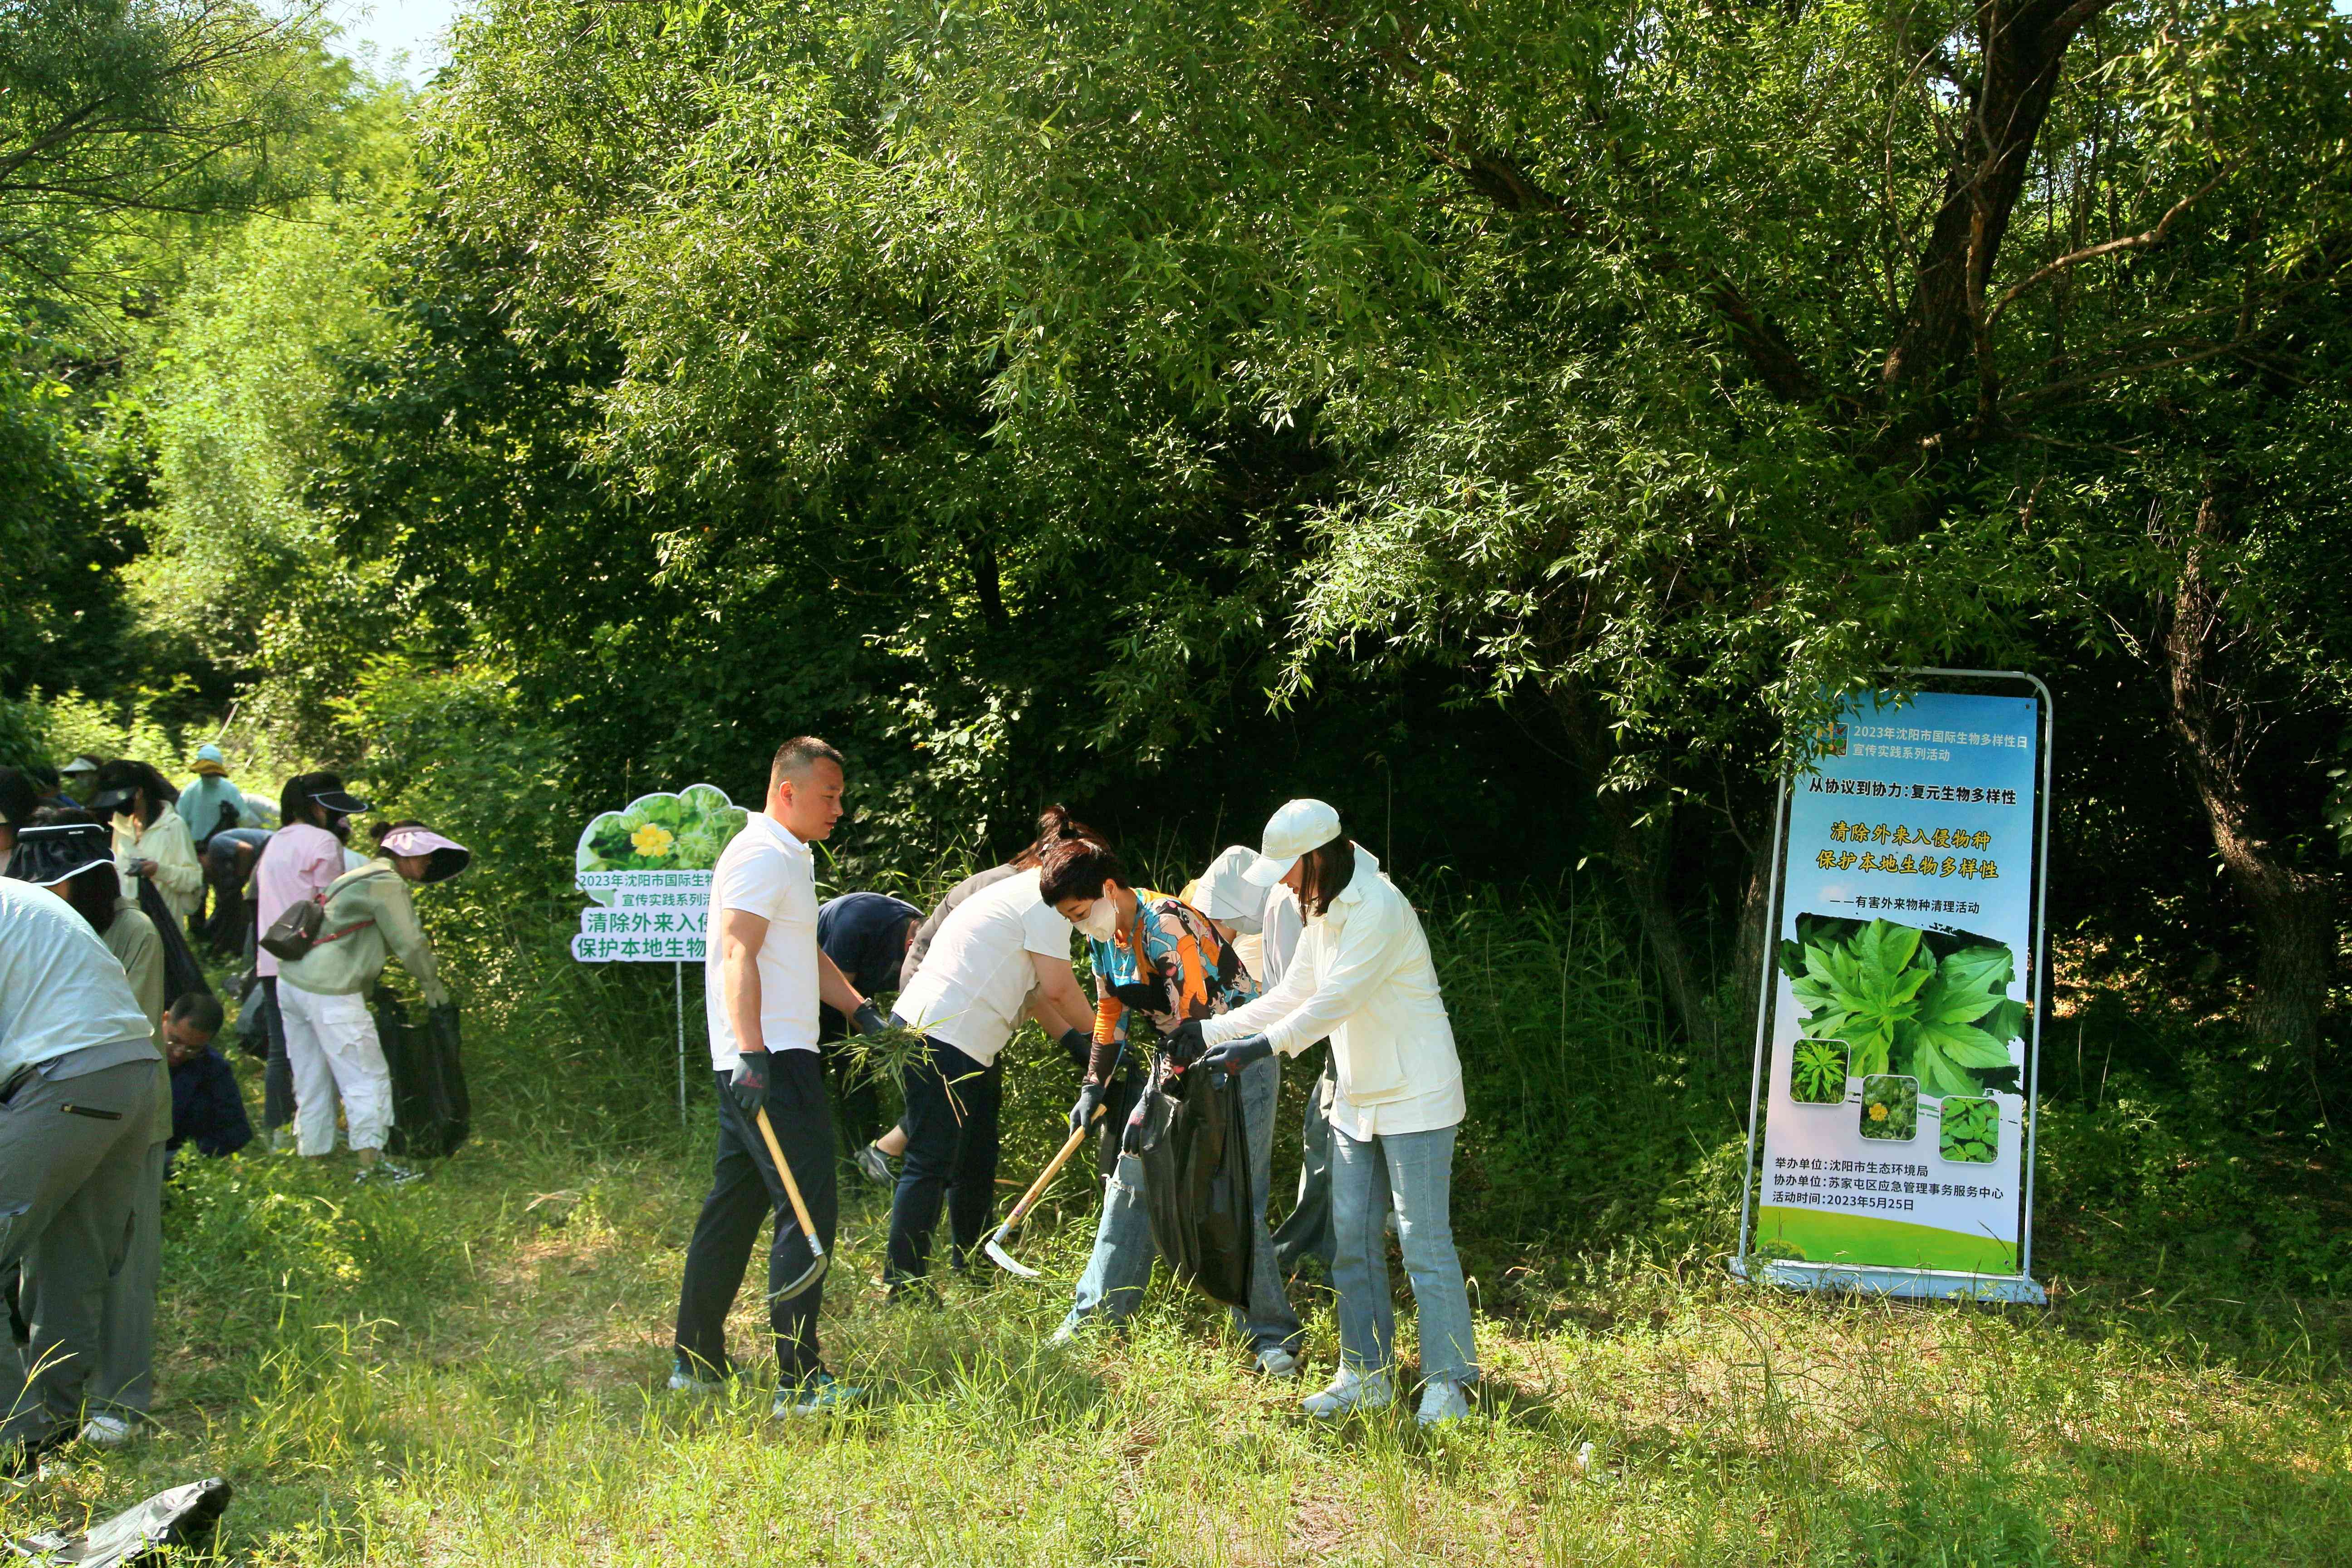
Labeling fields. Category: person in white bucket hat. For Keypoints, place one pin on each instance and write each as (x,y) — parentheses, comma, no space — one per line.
(1362,975)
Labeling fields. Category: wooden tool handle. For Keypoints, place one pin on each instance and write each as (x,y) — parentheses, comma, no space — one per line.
(792,1188)
(1053,1168)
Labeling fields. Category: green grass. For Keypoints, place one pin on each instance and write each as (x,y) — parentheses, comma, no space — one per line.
(469,1370)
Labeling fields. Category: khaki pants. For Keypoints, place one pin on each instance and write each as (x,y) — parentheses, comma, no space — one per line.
(73,1153)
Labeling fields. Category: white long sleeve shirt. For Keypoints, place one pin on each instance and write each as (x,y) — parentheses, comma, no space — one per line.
(1363,974)
(166,841)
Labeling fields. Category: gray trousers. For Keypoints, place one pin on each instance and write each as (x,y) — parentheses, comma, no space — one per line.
(1306,1231)
(73,1153)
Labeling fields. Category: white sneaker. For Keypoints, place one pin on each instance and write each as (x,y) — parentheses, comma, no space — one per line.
(1442,1401)
(106,1432)
(1275,1361)
(1350,1392)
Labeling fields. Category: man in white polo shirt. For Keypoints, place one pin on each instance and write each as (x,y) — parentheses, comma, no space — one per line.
(762,980)
(966,1000)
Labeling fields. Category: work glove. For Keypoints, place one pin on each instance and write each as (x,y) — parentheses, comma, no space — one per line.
(749,1088)
(1235,1054)
(1078,1046)
(1183,1047)
(868,1019)
(1091,1098)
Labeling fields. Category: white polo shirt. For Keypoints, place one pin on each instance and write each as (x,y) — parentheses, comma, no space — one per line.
(765,871)
(969,992)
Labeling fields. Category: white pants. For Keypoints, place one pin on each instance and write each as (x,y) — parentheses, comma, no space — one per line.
(331,1045)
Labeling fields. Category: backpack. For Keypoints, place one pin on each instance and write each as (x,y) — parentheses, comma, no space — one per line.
(431,1111)
(1196,1181)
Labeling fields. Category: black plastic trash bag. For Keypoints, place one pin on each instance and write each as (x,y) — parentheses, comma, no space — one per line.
(1196,1182)
(182,973)
(184,1517)
(431,1114)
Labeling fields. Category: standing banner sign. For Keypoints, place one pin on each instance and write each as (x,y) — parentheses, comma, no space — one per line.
(647,868)
(1899,1033)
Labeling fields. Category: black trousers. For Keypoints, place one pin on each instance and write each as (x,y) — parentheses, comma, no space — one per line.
(277,1079)
(951,1140)
(745,1190)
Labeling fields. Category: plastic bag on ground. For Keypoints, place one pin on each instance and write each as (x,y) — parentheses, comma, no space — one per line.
(146,1532)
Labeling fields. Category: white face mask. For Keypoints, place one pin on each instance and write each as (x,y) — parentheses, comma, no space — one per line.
(1101,919)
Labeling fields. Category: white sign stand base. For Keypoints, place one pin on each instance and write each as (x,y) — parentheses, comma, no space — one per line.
(1917,1284)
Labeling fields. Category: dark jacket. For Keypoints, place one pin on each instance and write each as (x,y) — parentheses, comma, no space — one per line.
(206,1107)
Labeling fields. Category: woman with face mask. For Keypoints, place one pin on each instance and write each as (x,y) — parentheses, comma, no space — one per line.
(1161,958)
(150,839)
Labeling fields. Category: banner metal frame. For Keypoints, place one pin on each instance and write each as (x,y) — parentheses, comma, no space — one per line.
(1925,1284)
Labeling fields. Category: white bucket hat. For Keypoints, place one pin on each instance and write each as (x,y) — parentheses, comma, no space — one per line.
(1300,826)
(1226,892)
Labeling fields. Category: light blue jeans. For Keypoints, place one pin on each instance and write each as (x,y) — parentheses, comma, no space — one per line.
(1112,1287)
(1419,1171)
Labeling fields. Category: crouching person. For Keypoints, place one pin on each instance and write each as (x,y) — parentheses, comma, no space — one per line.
(1362,975)
(207,1111)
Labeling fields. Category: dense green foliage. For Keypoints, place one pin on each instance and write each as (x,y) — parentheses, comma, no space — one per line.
(1511,423)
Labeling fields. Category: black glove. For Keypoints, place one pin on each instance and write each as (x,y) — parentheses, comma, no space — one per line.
(1183,1047)
(1079,1046)
(1235,1054)
(868,1020)
(1091,1098)
(749,1086)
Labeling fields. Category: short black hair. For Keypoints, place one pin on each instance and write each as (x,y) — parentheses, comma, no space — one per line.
(198,1010)
(1077,869)
(797,756)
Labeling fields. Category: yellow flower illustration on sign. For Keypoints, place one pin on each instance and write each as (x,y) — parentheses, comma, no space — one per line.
(652,839)
(1878,1113)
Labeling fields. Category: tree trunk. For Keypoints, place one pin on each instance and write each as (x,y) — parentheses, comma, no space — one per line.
(1754,940)
(2292,909)
(1642,852)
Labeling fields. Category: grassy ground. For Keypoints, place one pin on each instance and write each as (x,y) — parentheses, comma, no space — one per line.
(468,1371)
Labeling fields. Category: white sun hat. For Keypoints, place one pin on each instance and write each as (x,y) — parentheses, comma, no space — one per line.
(1300,826)
(1226,893)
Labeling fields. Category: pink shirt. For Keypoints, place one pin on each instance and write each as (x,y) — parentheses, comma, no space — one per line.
(295,864)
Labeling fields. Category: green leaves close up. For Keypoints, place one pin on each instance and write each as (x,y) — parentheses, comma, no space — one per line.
(1900,1008)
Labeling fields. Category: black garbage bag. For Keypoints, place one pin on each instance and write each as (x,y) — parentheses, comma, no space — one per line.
(431,1113)
(1196,1181)
(182,1516)
(182,973)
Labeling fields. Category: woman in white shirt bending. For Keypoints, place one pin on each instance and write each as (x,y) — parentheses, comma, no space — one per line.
(1362,975)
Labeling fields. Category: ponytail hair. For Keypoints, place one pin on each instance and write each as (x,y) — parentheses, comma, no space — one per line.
(1054,825)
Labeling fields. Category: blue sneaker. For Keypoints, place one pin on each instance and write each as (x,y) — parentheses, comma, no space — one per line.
(823,1394)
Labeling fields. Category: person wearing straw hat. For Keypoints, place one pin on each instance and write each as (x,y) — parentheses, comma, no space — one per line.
(78,1086)
(331,1036)
(205,799)
(1362,975)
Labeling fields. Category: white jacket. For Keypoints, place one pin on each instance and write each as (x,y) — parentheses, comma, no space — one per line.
(1362,975)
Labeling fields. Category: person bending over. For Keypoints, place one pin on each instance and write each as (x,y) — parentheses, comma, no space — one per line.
(1055,824)
(1161,958)
(1362,975)
(992,951)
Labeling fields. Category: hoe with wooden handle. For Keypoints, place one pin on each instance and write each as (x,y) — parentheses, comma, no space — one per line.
(819,1262)
(994,1247)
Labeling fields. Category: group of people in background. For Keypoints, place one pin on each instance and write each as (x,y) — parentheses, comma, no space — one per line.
(107,1028)
(1267,955)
